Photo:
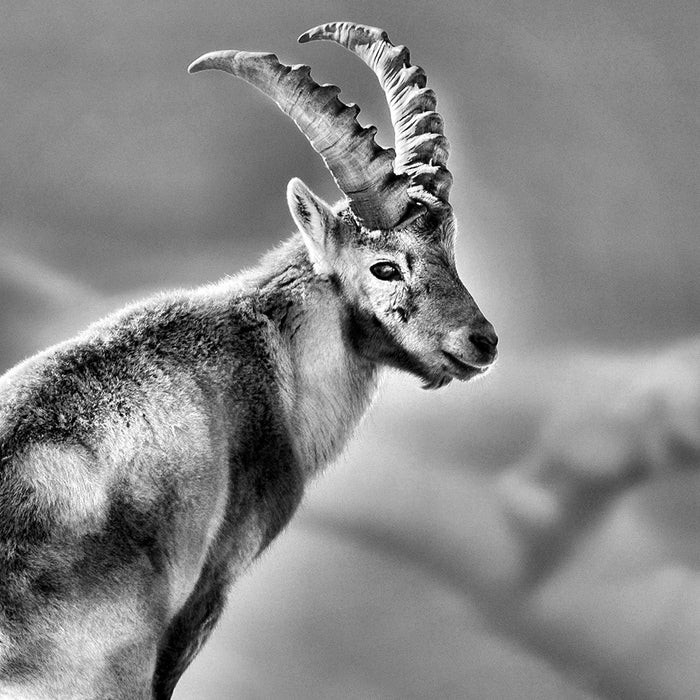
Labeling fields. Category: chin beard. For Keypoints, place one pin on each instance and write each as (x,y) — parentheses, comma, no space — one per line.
(398,358)
(371,340)
(435,382)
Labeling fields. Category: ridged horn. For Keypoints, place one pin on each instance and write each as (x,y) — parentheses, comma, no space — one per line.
(362,169)
(421,147)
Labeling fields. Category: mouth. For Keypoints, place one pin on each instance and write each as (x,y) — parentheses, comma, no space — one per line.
(460,369)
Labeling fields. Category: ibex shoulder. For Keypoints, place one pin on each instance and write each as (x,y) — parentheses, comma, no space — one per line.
(178,344)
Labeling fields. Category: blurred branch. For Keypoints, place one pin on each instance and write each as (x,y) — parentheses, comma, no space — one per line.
(585,551)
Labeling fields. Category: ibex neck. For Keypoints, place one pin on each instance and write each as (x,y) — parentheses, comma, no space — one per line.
(328,386)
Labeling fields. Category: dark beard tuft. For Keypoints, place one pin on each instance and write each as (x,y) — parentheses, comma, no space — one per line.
(436,382)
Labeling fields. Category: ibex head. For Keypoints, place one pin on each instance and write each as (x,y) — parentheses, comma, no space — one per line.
(388,248)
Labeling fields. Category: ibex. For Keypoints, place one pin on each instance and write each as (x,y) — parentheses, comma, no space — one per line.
(145,463)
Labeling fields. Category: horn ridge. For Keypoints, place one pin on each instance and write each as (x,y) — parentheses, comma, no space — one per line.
(408,97)
(362,169)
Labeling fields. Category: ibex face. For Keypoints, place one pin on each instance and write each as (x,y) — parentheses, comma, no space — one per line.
(413,311)
(406,306)
(389,248)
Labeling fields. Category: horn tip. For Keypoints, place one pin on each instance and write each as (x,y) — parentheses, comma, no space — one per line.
(213,59)
(195,66)
(311,34)
(344,32)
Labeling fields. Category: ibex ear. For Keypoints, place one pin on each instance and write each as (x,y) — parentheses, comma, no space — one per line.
(316,221)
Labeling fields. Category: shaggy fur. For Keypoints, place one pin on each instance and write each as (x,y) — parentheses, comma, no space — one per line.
(146,463)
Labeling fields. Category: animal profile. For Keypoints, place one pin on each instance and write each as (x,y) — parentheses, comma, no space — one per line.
(146,462)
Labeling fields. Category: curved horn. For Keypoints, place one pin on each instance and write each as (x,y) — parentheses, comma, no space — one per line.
(362,169)
(421,147)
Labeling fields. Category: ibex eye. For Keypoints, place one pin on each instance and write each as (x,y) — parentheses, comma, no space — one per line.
(385,271)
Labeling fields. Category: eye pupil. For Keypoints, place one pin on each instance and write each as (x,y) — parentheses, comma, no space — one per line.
(387,272)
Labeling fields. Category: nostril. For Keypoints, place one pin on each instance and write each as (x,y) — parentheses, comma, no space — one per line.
(484,342)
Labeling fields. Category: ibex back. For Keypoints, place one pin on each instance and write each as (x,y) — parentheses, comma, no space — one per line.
(145,463)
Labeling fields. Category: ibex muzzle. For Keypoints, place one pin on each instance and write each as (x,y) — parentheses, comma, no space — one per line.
(145,463)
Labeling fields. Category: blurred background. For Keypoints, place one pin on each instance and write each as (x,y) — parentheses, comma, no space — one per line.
(575,141)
